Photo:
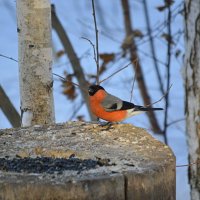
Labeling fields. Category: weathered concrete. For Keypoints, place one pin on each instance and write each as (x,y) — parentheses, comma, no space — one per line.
(138,166)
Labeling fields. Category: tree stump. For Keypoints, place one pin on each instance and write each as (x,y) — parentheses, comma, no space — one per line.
(78,160)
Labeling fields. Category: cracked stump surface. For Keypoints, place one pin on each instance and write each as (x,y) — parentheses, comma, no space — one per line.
(79,160)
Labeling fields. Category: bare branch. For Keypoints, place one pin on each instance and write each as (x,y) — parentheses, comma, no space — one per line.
(134,79)
(76,110)
(168,75)
(9,110)
(10,58)
(64,79)
(159,27)
(175,121)
(156,30)
(139,72)
(84,55)
(150,56)
(94,51)
(115,73)
(187,165)
(88,26)
(161,98)
(78,71)
(152,46)
(97,41)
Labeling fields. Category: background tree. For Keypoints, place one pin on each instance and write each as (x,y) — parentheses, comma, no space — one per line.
(134,58)
(192,89)
(8,109)
(77,68)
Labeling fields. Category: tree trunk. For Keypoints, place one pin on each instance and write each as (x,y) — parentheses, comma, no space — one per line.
(35,61)
(192,89)
(8,109)
(134,58)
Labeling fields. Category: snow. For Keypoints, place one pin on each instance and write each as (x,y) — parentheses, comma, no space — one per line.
(27,118)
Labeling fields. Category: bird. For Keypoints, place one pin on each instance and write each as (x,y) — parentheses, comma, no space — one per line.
(111,108)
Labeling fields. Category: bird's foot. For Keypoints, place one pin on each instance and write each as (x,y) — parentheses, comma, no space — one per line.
(103,124)
(107,125)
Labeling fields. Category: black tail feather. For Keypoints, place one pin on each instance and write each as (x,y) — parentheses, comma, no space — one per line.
(141,108)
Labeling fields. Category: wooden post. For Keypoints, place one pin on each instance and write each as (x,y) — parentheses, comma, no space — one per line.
(130,163)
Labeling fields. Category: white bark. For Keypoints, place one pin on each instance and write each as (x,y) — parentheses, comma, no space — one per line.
(35,61)
(192,84)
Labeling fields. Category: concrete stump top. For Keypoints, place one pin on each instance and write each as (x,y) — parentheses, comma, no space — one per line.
(133,165)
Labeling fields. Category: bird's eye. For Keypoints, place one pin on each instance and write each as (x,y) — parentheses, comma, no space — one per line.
(90,90)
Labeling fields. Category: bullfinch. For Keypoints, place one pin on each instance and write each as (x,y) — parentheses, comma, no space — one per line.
(110,108)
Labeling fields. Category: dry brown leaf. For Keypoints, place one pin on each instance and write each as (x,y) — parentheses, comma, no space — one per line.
(169,2)
(127,41)
(168,38)
(107,57)
(161,8)
(137,33)
(102,68)
(166,5)
(60,53)
(69,89)
(177,53)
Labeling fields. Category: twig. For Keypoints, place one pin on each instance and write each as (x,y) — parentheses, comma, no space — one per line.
(150,56)
(95,58)
(164,95)
(158,28)
(115,73)
(10,58)
(64,79)
(84,55)
(97,41)
(101,15)
(78,71)
(104,33)
(76,110)
(139,73)
(152,46)
(8,109)
(187,165)
(134,79)
(168,76)
(176,121)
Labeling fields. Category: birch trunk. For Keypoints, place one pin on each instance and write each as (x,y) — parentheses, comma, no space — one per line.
(35,61)
(192,88)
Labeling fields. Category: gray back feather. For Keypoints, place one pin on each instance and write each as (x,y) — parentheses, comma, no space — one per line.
(111,103)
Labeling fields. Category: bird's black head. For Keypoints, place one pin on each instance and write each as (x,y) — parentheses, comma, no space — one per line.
(93,89)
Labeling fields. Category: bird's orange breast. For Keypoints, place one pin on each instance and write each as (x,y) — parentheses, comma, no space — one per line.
(98,110)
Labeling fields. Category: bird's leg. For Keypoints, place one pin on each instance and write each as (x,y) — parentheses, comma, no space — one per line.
(102,124)
(108,125)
